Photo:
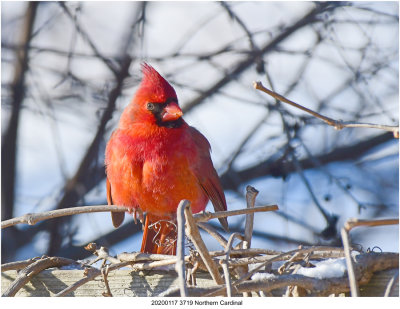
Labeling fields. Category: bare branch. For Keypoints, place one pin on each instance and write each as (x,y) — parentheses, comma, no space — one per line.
(180,257)
(33,218)
(18,265)
(350,224)
(104,272)
(194,234)
(355,292)
(206,216)
(101,253)
(28,272)
(251,194)
(225,262)
(337,124)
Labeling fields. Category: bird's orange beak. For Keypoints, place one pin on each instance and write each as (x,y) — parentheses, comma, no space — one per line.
(171,112)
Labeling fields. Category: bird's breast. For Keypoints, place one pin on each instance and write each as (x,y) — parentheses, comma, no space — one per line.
(155,174)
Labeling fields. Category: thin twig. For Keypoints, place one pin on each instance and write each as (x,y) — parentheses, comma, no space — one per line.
(90,275)
(251,194)
(101,253)
(225,262)
(104,271)
(350,224)
(225,268)
(213,232)
(146,261)
(337,124)
(25,275)
(194,234)
(206,216)
(153,262)
(392,283)
(354,290)
(18,265)
(33,218)
(289,262)
(247,252)
(152,265)
(180,256)
(143,257)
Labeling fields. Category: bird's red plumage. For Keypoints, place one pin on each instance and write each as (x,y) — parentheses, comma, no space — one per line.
(153,164)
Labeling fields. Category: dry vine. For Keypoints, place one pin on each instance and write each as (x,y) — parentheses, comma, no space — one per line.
(238,264)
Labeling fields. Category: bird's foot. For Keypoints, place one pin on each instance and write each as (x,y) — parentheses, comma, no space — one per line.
(137,212)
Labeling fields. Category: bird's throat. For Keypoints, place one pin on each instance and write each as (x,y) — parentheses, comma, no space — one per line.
(173,124)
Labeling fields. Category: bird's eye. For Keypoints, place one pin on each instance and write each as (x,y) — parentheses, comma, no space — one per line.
(150,106)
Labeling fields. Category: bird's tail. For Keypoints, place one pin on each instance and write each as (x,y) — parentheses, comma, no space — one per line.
(159,236)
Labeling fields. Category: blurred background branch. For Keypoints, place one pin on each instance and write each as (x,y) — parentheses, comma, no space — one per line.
(10,136)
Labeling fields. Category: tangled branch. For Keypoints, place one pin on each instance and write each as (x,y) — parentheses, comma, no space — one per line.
(245,270)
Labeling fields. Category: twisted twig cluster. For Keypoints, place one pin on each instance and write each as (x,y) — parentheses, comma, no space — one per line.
(231,269)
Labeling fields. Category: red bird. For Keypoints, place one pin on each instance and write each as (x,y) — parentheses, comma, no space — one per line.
(154,159)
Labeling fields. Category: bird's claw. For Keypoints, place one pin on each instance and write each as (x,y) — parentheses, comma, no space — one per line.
(137,212)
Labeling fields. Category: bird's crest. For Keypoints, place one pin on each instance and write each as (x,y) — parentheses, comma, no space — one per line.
(154,82)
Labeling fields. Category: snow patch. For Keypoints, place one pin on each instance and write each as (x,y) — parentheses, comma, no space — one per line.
(262,276)
(330,268)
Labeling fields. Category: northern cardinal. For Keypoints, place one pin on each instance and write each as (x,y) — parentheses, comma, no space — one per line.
(154,159)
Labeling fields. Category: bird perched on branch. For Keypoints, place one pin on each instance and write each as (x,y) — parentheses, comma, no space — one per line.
(154,159)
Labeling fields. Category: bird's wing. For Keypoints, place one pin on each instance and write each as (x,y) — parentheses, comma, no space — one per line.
(117,217)
(207,175)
